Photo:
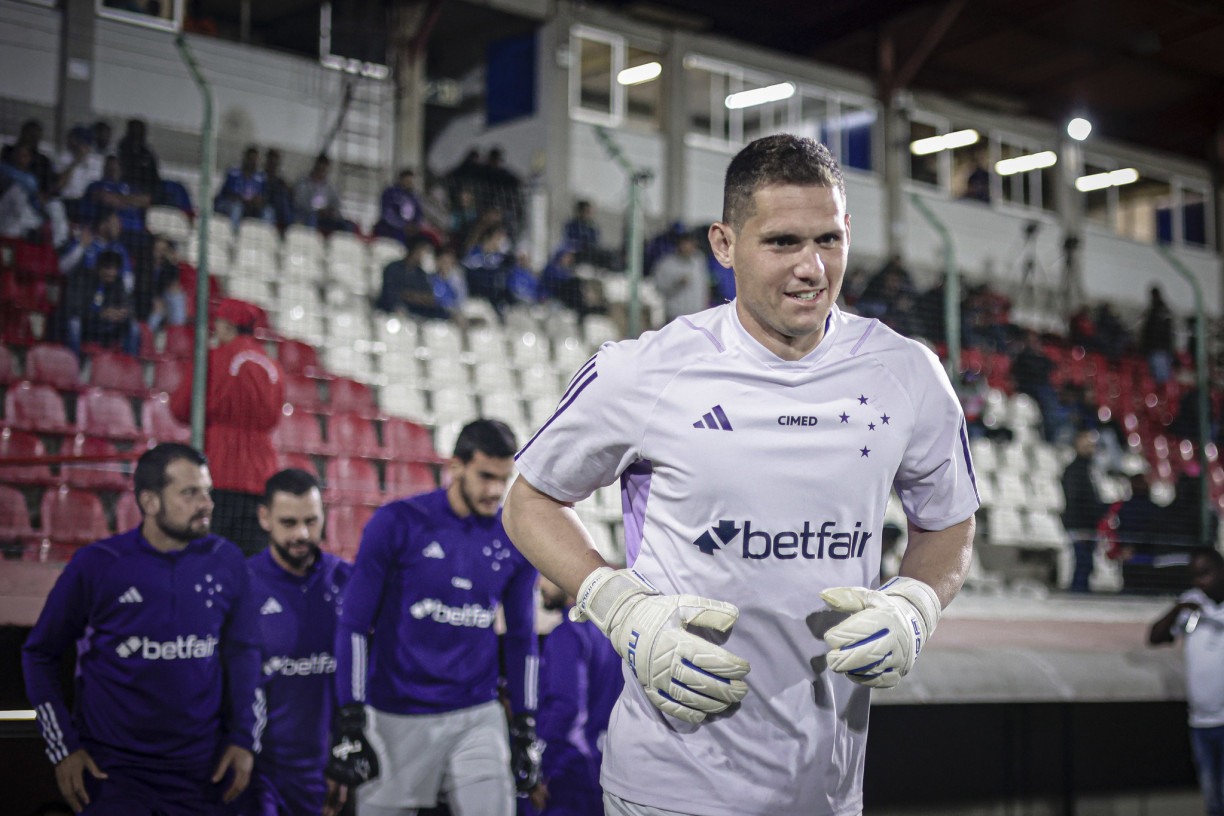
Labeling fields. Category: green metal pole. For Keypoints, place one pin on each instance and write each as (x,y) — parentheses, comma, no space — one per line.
(1200,381)
(951,288)
(199,382)
(633,252)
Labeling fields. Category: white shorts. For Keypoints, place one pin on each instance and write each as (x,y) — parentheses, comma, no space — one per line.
(422,754)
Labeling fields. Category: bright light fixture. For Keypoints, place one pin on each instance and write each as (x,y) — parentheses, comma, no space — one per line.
(21,714)
(1079,128)
(948,141)
(1023,164)
(760,96)
(1099,181)
(640,73)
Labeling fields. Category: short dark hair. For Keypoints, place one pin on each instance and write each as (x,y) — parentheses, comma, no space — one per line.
(151,466)
(1213,556)
(295,481)
(779,159)
(109,258)
(492,437)
(103,213)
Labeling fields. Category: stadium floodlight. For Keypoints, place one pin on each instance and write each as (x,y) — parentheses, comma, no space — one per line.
(948,141)
(1099,181)
(1023,164)
(760,96)
(1079,128)
(17,715)
(638,74)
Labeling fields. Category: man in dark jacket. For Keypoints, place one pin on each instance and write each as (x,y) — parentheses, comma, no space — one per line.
(1084,508)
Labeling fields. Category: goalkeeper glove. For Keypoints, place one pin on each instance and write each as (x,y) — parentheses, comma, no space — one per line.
(526,750)
(878,644)
(351,760)
(684,675)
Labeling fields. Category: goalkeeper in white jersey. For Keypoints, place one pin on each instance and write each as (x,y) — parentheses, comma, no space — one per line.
(755,444)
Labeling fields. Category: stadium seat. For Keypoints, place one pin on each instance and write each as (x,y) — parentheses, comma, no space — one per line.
(404,399)
(299,432)
(302,393)
(96,475)
(540,381)
(409,479)
(350,395)
(19,444)
(167,375)
(447,373)
(450,405)
(296,357)
(344,525)
(33,407)
(530,348)
(494,375)
(441,339)
(72,516)
(14,516)
(176,343)
(598,329)
(984,456)
(1045,530)
(354,434)
(297,460)
(572,353)
(54,365)
(986,489)
(347,326)
(118,372)
(1011,489)
(157,421)
(8,366)
(407,441)
(1005,527)
(487,343)
(127,512)
(345,359)
(383,251)
(168,222)
(352,480)
(107,414)
(504,405)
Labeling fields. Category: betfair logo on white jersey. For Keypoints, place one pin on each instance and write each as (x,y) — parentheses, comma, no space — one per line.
(270,607)
(471,615)
(321,663)
(434,550)
(826,541)
(131,596)
(181,648)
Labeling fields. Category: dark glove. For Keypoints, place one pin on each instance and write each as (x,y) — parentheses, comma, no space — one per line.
(352,759)
(526,749)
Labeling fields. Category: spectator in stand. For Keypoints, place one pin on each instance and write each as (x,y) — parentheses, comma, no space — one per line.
(245,191)
(890,296)
(973,392)
(1183,524)
(103,235)
(581,233)
(683,279)
(504,189)
(662,245)
(174,287)
(560,281)
(467,174)
(1084,508)
(101,132)
(280,197)
(316,202)
(39,166)
(1112,337)
(1137,532)
(400,213)
(977,183)
(139,162)
(1031,371)
(488,267)
(98,308)
(408,287)
(79,166)
(22,214)
(464,217)
(984,321)
(1156,340)
(246,391)
(1082,330)
(111,192)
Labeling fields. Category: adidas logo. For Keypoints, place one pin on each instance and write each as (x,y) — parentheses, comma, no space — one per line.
(434,550)
(270,607)
(131,596)
(715,419)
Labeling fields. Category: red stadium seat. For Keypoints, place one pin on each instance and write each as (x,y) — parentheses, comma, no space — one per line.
(96,475)
(14,516)
(302,393)
(353,434)
(159,423)
(21,444)
(73,516)
(409,478)
(296,357)
(107,414)
(36,259)
(33,407)
(350,395)
(297,460)
(8,366)
(352,480)
(404,439)
(167,375)
(127,512)
(118,372)
(299,432)
(54,365)
(178,343)
(344,525)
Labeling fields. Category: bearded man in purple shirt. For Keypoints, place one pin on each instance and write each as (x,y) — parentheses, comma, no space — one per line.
(168,713)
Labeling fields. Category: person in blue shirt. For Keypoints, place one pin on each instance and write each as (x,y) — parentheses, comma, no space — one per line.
(417,660)
(298,589)
(245,191)
(580,681)
(163,623)
(111,192)
(400,214)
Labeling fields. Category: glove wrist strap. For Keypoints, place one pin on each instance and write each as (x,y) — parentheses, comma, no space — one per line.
(920,595)
(604,592)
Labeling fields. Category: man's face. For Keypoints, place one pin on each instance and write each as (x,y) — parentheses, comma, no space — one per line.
(110,228)
(108,272)
(789,259)
(250,161)
(295,527)
(182,509)
(1207,577)
(481,484)
(407,181)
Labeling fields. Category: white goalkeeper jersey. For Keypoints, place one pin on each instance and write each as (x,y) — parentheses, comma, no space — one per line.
(760,482)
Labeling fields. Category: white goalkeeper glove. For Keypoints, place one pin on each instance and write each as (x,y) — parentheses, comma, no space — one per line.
(684,675)
(877,645)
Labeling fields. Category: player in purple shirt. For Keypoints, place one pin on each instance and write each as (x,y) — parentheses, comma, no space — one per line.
(166,635)
(416,645)
(298,589)
(580,681)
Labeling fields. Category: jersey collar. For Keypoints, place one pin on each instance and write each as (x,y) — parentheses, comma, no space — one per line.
(753,348)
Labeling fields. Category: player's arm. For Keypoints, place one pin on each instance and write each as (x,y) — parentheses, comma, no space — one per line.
(939,558)
(548,532)
(62,622)
(1163,630)
(247,715)
(522,676)
(562,670)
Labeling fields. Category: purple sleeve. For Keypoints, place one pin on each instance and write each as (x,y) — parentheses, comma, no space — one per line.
(248,713)
(362,599)
(390,212)
(62,623)
(562,683)
(521,644)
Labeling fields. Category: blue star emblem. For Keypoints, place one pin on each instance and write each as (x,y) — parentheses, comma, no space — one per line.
(871,426)
(845,417)
(884,419)
(864,451)
(862,399)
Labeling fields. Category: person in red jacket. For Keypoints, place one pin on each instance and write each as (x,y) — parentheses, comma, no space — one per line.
(246,391)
